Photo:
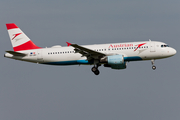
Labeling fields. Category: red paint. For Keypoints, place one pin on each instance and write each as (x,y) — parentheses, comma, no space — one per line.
(139,45)
(15,35)
(121,45)
(11,26)
(68,44)
(26,46)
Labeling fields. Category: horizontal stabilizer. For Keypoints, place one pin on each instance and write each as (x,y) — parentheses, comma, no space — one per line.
(16,53)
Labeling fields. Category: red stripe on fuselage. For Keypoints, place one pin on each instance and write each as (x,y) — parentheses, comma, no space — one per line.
(26,46)
(11,26)
(140,46)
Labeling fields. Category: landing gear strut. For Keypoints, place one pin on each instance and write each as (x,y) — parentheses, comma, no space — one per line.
(153,67)
(95,69)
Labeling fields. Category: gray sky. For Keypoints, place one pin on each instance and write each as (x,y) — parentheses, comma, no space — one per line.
(39,92)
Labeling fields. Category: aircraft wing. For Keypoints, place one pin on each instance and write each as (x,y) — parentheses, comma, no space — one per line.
(86,52)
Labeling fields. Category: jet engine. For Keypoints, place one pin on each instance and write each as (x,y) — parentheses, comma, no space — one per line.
(114,61)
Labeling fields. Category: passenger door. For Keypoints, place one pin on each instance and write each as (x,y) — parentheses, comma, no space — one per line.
(152,47)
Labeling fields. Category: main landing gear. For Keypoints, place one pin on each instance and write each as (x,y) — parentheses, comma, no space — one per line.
(95,69)
(153,67)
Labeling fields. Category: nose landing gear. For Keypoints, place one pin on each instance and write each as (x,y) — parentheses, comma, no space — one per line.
(153,67)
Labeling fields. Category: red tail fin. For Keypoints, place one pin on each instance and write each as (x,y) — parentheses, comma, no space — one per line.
(18,39)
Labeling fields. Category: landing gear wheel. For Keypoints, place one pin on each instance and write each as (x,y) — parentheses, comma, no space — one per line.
(96,72)
(153,67)
(94,69)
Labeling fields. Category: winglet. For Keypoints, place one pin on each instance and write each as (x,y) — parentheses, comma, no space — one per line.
(68,44)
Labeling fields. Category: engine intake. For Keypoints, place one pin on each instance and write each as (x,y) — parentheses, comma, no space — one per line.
(114,61)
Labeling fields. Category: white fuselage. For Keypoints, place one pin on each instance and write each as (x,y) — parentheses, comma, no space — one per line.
(132,51)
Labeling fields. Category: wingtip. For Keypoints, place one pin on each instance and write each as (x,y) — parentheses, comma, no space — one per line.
(68,44)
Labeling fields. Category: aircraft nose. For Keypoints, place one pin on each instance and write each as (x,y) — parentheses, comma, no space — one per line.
(173,51)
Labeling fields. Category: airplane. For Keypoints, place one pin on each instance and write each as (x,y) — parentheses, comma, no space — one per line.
(112,55)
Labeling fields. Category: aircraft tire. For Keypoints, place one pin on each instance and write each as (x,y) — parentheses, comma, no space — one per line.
(94,69)
(96,72)
(153,67)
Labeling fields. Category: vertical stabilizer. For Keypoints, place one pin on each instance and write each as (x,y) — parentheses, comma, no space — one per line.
(18,39)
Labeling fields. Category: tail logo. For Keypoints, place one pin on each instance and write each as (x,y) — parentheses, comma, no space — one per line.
(139,45)
(15,35)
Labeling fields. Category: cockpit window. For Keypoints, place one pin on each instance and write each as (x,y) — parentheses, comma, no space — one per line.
(164,45)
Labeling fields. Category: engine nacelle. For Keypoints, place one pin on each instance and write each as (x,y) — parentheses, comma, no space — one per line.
(122,66)
(114,61)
